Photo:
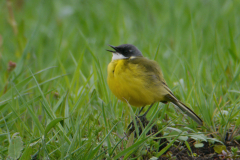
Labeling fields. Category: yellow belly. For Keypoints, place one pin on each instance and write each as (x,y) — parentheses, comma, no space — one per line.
(131,86)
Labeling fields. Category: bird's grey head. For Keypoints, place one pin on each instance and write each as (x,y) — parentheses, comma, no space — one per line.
(125,51)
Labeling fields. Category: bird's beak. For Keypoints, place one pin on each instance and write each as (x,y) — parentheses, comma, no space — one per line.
(111,50)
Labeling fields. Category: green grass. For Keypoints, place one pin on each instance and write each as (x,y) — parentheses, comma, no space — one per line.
(57,98)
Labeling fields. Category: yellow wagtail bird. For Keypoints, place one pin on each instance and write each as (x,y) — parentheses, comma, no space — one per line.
(139,81)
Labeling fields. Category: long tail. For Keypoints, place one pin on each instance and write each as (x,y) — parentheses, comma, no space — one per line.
(188,111)
(185,109)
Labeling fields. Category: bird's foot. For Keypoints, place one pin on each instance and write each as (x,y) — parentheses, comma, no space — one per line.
(141,121)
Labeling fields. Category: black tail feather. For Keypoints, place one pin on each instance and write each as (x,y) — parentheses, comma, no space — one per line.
(184,108)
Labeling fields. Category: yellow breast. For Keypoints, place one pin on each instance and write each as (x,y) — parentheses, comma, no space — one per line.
(128,84)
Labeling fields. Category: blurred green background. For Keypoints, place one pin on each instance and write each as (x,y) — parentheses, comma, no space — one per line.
(191,31)
(196,44)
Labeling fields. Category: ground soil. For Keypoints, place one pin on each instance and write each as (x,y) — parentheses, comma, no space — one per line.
(181,152)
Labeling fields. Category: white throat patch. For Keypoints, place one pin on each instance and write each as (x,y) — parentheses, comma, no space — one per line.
(118,56)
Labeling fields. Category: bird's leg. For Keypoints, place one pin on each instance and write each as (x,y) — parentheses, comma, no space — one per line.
(141,110)
(137,116)
(144,115)
(142,118)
